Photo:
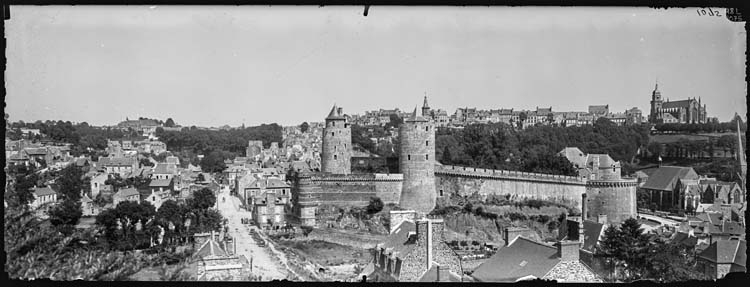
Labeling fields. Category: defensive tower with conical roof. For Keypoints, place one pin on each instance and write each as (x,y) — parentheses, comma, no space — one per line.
(337,144)
(417,163)
(426,108)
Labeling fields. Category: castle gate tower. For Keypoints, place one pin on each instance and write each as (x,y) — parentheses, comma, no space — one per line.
(417,163)
(336,152)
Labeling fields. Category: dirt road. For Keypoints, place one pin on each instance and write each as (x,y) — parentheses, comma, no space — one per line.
(263,263)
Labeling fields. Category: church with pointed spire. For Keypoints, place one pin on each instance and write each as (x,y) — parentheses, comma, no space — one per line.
(689,111)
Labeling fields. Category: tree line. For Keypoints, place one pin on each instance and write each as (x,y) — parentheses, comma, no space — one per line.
(535,149)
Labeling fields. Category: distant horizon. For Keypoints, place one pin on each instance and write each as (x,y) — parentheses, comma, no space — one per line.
(212,66)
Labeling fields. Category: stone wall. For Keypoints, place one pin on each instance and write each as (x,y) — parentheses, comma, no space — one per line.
(518,185)
(417,164)
(429,246)
(336,150)
(388,187)
(615,199)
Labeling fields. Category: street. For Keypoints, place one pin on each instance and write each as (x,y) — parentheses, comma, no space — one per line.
(263,263)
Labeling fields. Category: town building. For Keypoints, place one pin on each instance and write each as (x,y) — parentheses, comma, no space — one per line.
(666,186)
(117,165)
(723,257)
(218,259)
(525,259)
(126,194)
(43,196)
(415,251)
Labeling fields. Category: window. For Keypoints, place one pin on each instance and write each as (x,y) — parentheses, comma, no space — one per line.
(441,192)
(408,157)
(332,134)
(335,157)
(427,157)
(427,143)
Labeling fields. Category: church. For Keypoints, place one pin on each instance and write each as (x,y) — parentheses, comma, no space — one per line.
(688,111)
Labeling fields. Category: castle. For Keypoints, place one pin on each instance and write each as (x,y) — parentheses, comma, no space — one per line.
(687,111)
(423,180)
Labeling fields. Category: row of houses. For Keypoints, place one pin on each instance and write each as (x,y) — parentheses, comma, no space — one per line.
(30,153)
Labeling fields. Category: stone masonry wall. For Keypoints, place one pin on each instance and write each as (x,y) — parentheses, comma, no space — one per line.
(465,185)
(616,200)
(417,163)
(336,151)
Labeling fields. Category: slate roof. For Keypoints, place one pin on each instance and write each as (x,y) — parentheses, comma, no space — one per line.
(399,242)
(160,182)
(415,117)
(445,275)
(18,156)
(86,199)
(676,104)
(685,239)
(42,191)
(523,257)
(127,192)
(592,231)
(268,183)
(574,155)
(110,161)
(334,114)
(665,177)
(726,251)
(36,151)
(165,168)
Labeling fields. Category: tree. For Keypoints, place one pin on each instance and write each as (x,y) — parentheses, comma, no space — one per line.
(169,123)
(65,213)
(213,162)
(203,199)
(146,162)
(304,127)
(70,183)
(375,205)
(395,121)
(25,179)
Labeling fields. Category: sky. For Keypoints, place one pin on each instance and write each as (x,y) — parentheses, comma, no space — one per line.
(211,66)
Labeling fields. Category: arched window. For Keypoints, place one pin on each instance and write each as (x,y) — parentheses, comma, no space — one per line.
(335,157)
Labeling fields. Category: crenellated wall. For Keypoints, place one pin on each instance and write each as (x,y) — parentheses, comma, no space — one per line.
(466,181)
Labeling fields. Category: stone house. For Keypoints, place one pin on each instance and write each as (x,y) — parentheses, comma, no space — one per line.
(218,259)
(118,165)
(88,207)
(155,197)
(526,259)
(126,194)
(164,171)
(416,251)
(722,257)
(43,196)
(269,209)
(97,182)
(160,185)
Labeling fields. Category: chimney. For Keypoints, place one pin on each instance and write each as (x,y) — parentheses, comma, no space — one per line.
(423,238)
(510,233)
(568,250)
(584,206)
(601,218)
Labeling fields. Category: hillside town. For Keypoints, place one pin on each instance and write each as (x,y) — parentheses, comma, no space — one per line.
(231,180)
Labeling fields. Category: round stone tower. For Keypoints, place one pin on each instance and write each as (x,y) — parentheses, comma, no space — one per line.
(417,164)
(336,152)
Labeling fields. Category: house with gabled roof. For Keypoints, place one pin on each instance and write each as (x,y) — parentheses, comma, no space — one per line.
(526,259)
(43,196)
(126,194)
(218,259)
(416,251)
(723,257)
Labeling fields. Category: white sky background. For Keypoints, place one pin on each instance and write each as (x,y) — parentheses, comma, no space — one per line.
(210,66)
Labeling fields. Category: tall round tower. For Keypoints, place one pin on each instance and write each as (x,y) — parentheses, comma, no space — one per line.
(336,154)
(417,163)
